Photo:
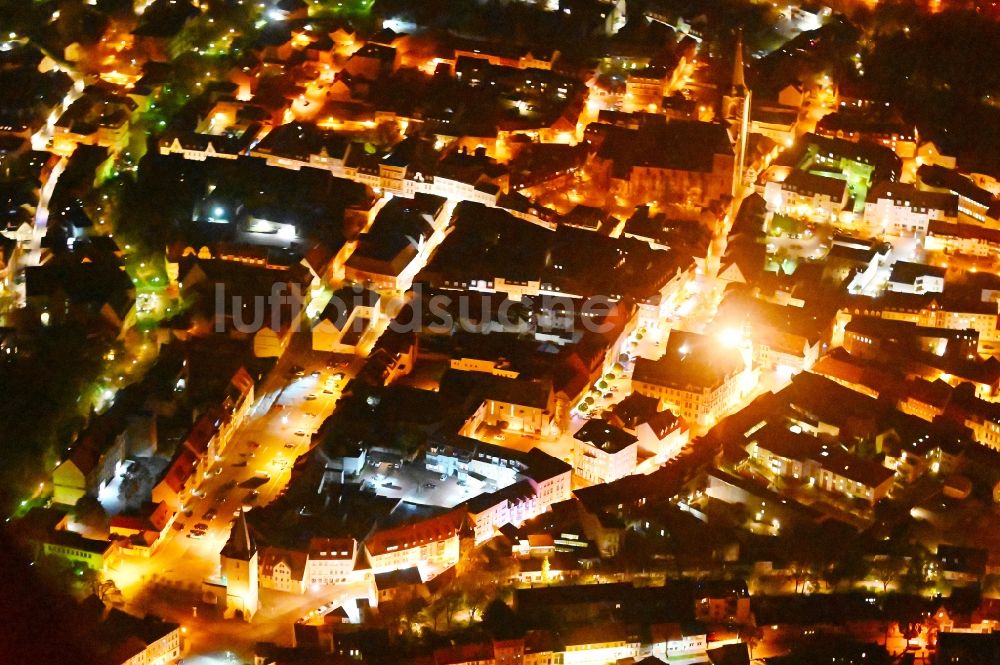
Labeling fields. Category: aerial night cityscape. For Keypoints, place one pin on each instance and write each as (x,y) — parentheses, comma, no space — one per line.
(499,332)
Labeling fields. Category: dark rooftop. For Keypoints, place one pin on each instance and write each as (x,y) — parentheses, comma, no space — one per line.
(690,361)
(602,435)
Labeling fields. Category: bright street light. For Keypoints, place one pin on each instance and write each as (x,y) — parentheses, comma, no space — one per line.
(731,337)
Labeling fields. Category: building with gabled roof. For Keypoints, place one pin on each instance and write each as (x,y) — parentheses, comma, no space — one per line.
(73,287)
(523,405)
(798,457)
(124,639)
(662,433)
(348,317)
(963,239)
(903,209)
(810,195)
(330,560)
(682,159)
(602,452)
(680,643)
(387,255)
(91,464)
(199,147)
(282,569)
(431,544)
(599,643)
(296,144)
(910,277)
(78,550)
(974,202)
(373,61)
(97,117)
(399,585)
(698,379)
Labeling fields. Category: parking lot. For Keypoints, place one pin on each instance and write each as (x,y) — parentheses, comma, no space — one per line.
(390,477)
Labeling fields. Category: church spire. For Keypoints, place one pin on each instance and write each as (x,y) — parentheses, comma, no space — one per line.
(241,544)
(736,112)
(738,83)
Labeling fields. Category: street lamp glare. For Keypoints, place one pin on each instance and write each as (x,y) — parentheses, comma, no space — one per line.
(731,337)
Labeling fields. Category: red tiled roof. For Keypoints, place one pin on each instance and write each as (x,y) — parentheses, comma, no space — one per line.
(133,522)
(180,470)
(331,548)
(85,456)
(242,381)
(201,434)
(415,534)
(664,423)
(272,556)
(464,653)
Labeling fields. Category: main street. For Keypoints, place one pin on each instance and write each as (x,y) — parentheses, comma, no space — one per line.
(290,407)
(291,404)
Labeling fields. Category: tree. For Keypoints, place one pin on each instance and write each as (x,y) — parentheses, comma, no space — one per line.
(475,585)
(55,569)
(137,478)
(449,604)
(408,612)
(108,592)
(475,598)
(500,621)
(751,636)
(801,572)
(386,135)
(636,554)
(90,579)
(502,568)
(887,569)
(850,569)
(409,438)
(90,513)
(399,616)
(910,631)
